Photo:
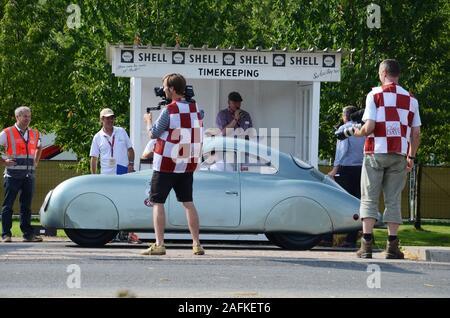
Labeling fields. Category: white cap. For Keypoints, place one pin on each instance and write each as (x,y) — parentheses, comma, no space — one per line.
(106,112)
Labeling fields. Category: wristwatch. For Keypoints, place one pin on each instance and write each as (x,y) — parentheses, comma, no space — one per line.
(412,158)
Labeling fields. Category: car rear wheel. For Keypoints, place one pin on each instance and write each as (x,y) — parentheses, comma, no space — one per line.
(90,238)
(291,241)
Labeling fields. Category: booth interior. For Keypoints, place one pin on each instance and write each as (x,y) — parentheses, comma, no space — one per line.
(285,106)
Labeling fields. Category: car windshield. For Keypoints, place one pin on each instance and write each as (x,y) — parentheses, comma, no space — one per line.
(301,163)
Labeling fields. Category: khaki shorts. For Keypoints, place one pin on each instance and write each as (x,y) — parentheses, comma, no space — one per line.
(385,172)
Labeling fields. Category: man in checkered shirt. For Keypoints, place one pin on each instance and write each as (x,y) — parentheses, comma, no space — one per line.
(178,133)
(392,126)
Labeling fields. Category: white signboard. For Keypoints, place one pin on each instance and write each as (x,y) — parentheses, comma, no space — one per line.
(236,65)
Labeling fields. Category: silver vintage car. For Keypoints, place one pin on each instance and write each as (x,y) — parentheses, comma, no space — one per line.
(242,187)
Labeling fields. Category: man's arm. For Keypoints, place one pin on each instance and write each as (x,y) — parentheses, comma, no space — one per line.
(93,165)
(232,125)
(37,157)
(130,159)
(366,129)
(161,125)
(413,146)
(222,123)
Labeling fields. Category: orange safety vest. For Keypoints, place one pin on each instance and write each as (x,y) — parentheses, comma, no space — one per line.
(23,152)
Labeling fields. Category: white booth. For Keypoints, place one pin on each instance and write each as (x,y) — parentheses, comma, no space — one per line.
(280,88)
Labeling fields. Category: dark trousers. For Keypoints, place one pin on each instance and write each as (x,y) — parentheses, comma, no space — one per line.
(12,187)
(350,179)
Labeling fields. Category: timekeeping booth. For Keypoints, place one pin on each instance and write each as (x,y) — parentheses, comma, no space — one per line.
(280,88)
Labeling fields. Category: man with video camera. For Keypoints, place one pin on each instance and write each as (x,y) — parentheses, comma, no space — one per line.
(392,126)
(178,133)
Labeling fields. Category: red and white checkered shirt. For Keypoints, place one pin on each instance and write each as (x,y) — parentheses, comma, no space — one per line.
(179,149)
(394,111)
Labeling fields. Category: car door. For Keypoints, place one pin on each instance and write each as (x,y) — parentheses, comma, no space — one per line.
(217,194)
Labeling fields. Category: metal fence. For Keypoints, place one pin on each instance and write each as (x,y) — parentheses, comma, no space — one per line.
(434,198)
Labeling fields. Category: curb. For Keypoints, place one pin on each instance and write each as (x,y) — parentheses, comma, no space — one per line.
(428,253)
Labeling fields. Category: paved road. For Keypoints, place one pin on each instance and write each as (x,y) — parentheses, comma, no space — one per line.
(57,269)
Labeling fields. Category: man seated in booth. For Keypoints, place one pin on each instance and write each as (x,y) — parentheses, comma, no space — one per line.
(233,117)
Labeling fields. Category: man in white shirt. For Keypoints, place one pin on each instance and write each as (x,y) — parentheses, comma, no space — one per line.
(113,146)
(116,153)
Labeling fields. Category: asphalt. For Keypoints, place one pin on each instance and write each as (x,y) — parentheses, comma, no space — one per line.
(418,253)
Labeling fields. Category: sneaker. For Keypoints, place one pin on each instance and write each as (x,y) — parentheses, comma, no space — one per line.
(134,239)
(393,251)
(33,238)
(6,239)
(198,250)
(366,249)
(155,250)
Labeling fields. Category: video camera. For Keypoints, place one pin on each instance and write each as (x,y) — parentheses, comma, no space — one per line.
(350,131)
(159,92)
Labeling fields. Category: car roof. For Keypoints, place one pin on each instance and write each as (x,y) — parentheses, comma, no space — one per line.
(219,143)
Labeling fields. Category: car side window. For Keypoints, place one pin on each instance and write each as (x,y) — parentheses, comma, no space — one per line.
(250,163)
(219,161)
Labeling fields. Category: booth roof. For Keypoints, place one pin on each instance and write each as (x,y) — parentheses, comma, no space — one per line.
(231,48)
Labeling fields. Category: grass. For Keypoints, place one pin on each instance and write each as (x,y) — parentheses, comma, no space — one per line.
(431,234)
(16,232)
(435,234)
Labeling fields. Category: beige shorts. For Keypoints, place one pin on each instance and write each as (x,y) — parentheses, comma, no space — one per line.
(385,172)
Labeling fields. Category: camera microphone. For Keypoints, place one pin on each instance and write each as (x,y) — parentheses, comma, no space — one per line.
(149,109)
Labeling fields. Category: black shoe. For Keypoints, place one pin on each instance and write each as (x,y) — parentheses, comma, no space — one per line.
(32,238)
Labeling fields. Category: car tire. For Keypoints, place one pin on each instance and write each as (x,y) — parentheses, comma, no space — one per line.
(291,241)
(90,238)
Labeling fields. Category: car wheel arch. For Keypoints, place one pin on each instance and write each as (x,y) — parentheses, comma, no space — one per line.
(284,217)
(91,210)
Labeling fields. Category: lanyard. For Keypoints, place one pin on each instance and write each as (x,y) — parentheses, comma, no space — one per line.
(111,144)
(22,134)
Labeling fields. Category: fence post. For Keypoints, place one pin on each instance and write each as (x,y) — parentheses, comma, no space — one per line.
(412,195)
(417,222)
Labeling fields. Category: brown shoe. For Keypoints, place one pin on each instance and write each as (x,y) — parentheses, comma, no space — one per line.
(33,238)
(393,251)
(6,239)
(366,249)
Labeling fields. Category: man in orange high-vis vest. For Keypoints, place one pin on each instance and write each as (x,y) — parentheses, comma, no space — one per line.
(23,151)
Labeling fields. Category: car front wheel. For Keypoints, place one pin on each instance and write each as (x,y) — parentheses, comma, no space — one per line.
(291,241)
(90,238)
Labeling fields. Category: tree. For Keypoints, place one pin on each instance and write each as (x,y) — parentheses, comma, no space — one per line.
(63,74)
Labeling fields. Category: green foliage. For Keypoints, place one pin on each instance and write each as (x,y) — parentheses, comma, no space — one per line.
(64,76)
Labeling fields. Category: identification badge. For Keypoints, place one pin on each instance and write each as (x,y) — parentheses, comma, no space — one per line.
(112,162)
